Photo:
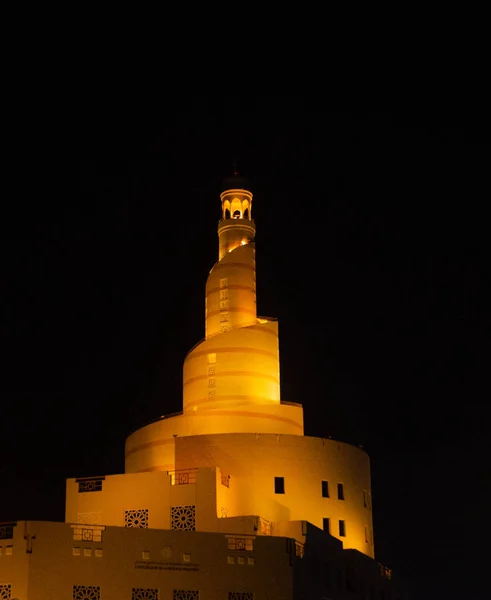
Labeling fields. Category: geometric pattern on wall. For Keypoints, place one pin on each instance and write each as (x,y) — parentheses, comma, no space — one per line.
(5,591)
(137,519)
(185,595)
(240,596)
(144,594)
(86,592)
(183,518)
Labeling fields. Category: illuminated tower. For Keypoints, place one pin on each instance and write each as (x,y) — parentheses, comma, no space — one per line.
(232,495)
(237,443)
(233,416)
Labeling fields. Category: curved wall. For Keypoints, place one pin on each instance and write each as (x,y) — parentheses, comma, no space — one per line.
(237,368)
(152,448)
(254,460)
(231,291)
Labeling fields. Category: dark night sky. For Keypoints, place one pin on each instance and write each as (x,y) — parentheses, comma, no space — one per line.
(371,233)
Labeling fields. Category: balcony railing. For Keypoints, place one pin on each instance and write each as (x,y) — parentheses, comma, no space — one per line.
(183,476)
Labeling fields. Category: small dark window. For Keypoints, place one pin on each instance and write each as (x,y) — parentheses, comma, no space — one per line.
(227,213)
(342,528)
(236,214)
(325,489)
(279,485)
(340,491)
(246,213)
(326,525)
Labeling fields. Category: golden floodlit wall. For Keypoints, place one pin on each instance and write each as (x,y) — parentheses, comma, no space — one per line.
(236,368)
(127,563)
(254,460)
(152,448)
(144,500)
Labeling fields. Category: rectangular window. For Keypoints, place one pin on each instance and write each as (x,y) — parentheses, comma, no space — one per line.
(240,543)
(326,526)
(279,485)
(223,304)
(224,282)
(342,528)
(325,489)
(7,531)
(340,491)
(223,294)
(90,485)
(87,534)
(212,358)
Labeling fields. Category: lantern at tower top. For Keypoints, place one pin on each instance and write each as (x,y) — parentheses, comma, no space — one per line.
(236,227)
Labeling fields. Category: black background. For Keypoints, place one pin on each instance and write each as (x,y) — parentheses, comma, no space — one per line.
(371,237)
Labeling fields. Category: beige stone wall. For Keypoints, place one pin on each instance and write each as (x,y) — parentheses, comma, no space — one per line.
(231,291)
(125,559)
(152,448)
(254,460)
(151,496)
(234,369)
(14,559)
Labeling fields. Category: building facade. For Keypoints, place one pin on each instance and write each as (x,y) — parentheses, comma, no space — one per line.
(227,500)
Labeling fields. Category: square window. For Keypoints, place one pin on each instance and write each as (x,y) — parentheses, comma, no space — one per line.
(223,294)
(223,304)
(342,528)
(326,525)
(212,358)
(340,491)
(231,560)
(251,560)
(87,551)
(240,560)
(279,485)
(224,282)
(145,555)
(76,551)
(98,552)
(325,489)
(186,557)
(8,550)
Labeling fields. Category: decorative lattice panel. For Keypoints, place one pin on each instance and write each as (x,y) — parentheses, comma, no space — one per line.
(240,596)
(183,518)
(136,518)
(86,592)
(185,595)
(144,594)
(5,591)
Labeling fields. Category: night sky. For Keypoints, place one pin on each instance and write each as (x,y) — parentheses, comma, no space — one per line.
(370,242)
